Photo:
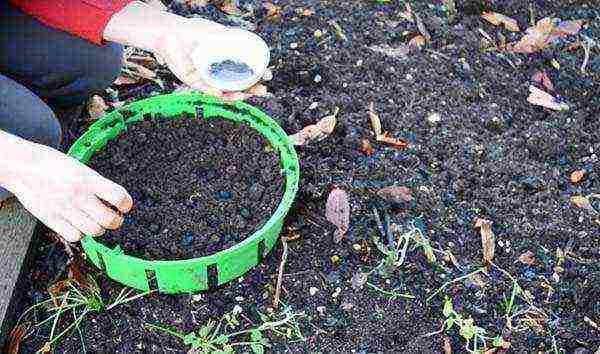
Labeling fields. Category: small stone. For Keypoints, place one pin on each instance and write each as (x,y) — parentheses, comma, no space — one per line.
(313,290)
(434,118)
(197,298)
(337,292)
(237,309)
(335,259)
(359,62)
(239,298)
(321,310)
(346,306)
(293,45)
(318,33)
(313,105)
(317,78)
(409,77)
(357,247)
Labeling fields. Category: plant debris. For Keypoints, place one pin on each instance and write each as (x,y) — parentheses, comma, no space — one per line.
(316,132)
(337,212)
(501,20)
(542,98)
(488,239)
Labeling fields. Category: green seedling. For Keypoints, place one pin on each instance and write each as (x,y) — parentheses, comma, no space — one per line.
(80,300)
(214,337)
(475,336)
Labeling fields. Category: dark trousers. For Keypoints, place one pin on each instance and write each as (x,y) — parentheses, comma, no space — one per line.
(43,71)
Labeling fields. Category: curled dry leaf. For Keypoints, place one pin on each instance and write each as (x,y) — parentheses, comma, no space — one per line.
(417,42)
(542,78)
(501,20)
(577,176)
(542,98)
(375,121)
(544,33)
(396,194)
(387,139)
(258,90)
(366,147)
(273,11)
(488,239)
(582,202)
(527,258)
(96,107)
(359,280)
(337,212)
(316,132)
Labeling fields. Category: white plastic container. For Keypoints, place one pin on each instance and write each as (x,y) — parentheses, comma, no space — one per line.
(238,45)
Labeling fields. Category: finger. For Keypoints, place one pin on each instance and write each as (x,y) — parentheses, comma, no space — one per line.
(100,213)
(82,222)
(113,194)
(64,229)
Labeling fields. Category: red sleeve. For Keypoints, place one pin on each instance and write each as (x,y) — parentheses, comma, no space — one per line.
(83,18)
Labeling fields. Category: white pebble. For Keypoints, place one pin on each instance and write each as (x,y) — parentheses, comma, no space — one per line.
(318,78)
(337,292)
(313,105)
(321,310)
(313,290)
(293,45)
(359,62)
(409,77)
(239,298)
(434,118)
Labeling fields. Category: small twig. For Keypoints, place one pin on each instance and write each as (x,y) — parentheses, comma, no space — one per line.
(280,274)
(446,284)
(587,45)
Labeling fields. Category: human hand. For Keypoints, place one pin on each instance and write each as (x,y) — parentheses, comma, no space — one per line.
(65,194)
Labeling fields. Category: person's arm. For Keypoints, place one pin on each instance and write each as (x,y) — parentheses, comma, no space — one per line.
(60,191)
(84,18)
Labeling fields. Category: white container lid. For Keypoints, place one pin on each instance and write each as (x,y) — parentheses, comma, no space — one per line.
(234,44)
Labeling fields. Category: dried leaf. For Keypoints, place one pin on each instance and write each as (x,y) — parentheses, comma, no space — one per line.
(499,19)
(488,239)
(337,211)
(365,146)
(527,258)
(57,289)
(16,338)
(230,7)
(396,194)
(258,90)
(375,121)
(582,202)
(541,77)
(420,25)
(545,32)
(542,98)
(387,139)
(316,132)
(359,280)
(417,42)
(125,80)
(273,11)
(577,176)
(447,345)
(96,107)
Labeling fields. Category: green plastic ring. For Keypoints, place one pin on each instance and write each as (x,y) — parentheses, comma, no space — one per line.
(190,275)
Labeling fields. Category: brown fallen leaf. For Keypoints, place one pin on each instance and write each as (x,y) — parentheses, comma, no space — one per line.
(488,239)
(582,202)
(366,148)
(96,107)
(577,176)
(16,338)
(258,90)
(420,24)
(230,7)
(417,42)
(387,139)
(396,194)
(337,212)
(498,19)
(544,99)
(542,78)
(527,258)
(273,11)
(544,33)
(447,345)
(317,131)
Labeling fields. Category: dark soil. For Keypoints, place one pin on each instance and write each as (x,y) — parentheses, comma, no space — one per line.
(492,155)
(197,187)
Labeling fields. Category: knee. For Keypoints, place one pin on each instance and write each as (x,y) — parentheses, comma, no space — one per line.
(107,67)
(47,129)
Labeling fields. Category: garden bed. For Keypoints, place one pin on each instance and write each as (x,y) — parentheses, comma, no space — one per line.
(477,151)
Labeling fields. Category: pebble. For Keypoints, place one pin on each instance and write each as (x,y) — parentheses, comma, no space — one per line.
(317,78)
(357,247)
(239,298)
(409,77)
(337,292)
(197,298)
(313,290)
(434,118)
(293,45)
(321,310)
(313,105)
(318,33)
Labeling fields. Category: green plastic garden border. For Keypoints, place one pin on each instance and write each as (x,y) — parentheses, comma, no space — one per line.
(190,275)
